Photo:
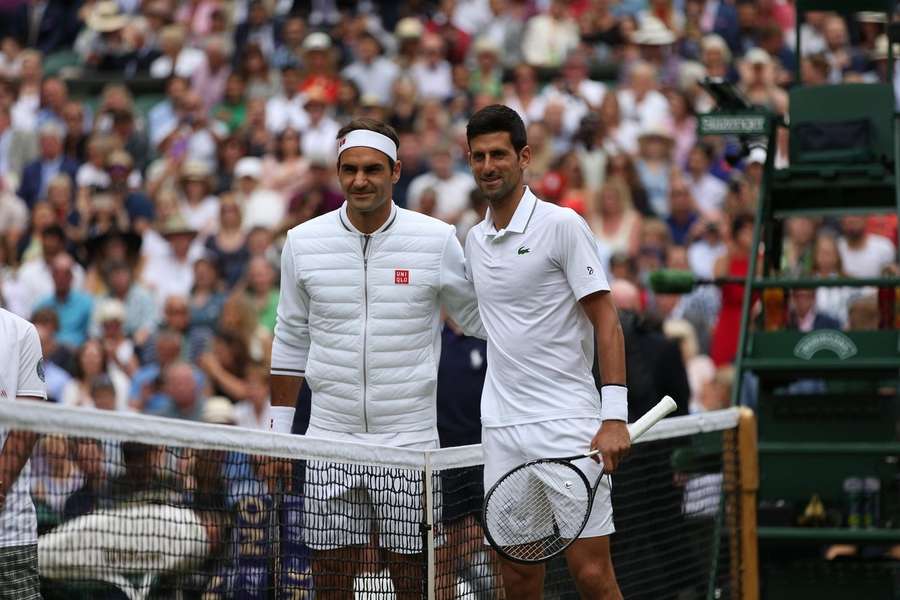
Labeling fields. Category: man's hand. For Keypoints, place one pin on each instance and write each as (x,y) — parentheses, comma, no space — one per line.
(613,442)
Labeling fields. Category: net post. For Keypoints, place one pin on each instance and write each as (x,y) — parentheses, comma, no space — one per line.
(428,527)
(749,485)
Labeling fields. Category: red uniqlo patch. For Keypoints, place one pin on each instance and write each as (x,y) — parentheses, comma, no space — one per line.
(401,276)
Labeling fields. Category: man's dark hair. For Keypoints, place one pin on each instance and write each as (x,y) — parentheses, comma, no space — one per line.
(54,231)
(497,118)
(47,316)
(372,125)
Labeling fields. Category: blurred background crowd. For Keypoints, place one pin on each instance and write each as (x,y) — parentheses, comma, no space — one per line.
(153,153)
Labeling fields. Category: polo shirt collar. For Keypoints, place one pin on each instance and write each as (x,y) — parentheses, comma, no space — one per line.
(345,220)
(520,218)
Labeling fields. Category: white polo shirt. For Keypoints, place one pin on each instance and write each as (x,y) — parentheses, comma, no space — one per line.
(21,376)
(528,279)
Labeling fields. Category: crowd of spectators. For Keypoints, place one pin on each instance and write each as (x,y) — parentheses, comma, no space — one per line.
(142,238)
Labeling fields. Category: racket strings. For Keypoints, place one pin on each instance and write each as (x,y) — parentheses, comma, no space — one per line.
(535,511)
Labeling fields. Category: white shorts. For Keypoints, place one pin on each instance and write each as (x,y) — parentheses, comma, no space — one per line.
(508,447)
(344,504)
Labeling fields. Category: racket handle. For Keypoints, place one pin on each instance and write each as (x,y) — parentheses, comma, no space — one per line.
(651,417)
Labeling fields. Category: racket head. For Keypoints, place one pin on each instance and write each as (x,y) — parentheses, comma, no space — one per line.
(536,510)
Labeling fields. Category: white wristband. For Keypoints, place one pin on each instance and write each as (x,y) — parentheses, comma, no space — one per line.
(281,419)
(614,403)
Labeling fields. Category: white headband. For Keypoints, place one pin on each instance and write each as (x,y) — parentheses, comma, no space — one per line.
(365,138)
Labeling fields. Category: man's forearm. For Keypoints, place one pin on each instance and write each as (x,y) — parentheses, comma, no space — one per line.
(285,389)
(611,350)
(13,457)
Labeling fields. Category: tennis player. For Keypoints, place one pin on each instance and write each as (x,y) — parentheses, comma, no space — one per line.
(21,378)
(359,317)
(544,299)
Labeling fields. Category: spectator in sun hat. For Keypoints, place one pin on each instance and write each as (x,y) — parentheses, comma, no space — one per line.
(319,69)
(487,76)
(109,322)
(320,135)
(124,186)
(654,165)
(101,45)
(105,247)
(655,44)
(197,203)
(172,273)
(260,206)
(408,32)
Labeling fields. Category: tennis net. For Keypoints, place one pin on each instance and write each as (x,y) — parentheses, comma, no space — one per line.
(130,506)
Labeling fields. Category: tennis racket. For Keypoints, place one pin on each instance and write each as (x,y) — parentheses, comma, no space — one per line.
(536,510)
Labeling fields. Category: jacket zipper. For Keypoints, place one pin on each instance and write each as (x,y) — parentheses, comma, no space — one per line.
(365,326)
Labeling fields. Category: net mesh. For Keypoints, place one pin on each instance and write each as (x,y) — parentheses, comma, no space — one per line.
(139,507)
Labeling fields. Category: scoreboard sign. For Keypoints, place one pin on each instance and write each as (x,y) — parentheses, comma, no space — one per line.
(733,124)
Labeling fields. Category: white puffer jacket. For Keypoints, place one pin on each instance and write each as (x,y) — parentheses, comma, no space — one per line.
(359,317)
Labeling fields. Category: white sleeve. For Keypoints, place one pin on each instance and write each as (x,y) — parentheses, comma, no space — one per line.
(31,366)
(457,293)
(579,256)
(290,347)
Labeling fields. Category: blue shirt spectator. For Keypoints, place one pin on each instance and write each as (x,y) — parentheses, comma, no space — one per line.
(73,307)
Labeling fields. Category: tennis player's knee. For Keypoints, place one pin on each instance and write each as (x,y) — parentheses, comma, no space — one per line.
(597,581)
(522,581)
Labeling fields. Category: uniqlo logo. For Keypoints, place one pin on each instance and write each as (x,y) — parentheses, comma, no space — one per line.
(401,276)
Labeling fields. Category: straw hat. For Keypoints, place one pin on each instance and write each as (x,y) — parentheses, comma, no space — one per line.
(870,16)
(196,169)
(96,243)
(653,32)
(110,310)
(119,158)
(176,225)
(757,156)
(757,56)
(248,166)
(485,45)
(656,131)
(105,17)
(409,28)
(316,41)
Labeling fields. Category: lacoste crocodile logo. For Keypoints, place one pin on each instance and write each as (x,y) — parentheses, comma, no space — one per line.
(524,250)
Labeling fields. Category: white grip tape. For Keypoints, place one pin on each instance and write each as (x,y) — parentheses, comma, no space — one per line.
(651,417)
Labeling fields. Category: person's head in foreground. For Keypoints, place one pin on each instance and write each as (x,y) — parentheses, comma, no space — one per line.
(367,165)
(498,152)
